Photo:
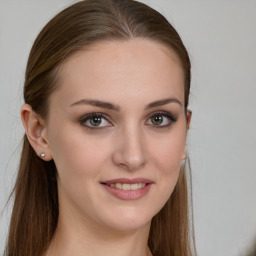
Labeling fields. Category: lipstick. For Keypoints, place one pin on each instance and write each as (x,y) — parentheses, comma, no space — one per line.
(128,189)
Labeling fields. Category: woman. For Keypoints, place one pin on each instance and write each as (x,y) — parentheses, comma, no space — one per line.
(105,114)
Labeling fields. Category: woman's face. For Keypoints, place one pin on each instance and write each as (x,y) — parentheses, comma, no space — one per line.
(116,131)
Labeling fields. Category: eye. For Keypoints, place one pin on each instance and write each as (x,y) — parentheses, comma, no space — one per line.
(161,120)
(94,121)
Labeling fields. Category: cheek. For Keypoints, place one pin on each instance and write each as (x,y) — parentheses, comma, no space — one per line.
(167,158)
(169,153)
(78,161)
(71,148)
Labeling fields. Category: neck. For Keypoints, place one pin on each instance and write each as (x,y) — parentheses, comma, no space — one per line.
(74,237)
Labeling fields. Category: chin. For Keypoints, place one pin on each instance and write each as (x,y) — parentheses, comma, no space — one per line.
(128,219)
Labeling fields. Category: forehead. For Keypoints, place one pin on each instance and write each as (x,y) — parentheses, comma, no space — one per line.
(116,69)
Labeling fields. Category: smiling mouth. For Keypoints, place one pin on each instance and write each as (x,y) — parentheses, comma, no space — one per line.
(128,189)
(126,186)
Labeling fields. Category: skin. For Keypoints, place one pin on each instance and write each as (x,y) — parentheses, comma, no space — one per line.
(128,144)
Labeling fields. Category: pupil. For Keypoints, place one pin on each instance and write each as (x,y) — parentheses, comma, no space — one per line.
(95,121)
(157,120)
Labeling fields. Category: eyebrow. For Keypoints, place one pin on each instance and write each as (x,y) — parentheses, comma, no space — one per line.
(97,103)
(107,105)
(163,102)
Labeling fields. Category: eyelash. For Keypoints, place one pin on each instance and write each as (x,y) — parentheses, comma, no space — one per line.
(171,119)
(90,116)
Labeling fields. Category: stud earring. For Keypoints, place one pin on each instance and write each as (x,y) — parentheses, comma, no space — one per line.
(42,154)
(185,157)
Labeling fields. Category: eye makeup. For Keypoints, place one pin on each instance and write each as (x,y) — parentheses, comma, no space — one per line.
(95,120)
(98,120)
(161,119)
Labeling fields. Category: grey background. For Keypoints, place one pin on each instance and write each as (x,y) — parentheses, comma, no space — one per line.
(221,38)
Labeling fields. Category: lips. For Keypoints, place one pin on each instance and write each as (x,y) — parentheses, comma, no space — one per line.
(128,181)
(128,189)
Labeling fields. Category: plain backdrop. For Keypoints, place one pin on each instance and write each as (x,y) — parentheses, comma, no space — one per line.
(221,39)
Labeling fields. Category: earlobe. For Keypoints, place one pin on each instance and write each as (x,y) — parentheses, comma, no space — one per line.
(184,154)
(35,129)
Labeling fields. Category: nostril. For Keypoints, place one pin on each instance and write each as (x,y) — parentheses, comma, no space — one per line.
(130,153)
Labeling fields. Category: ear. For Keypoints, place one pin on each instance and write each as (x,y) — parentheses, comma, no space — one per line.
(35,129)
(188,117)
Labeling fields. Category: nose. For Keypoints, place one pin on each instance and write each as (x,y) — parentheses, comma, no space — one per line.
(130,150)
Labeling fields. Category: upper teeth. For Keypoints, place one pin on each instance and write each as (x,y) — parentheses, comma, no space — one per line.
(125,186)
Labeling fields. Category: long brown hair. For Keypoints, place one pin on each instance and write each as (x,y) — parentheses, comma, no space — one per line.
(35,211)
